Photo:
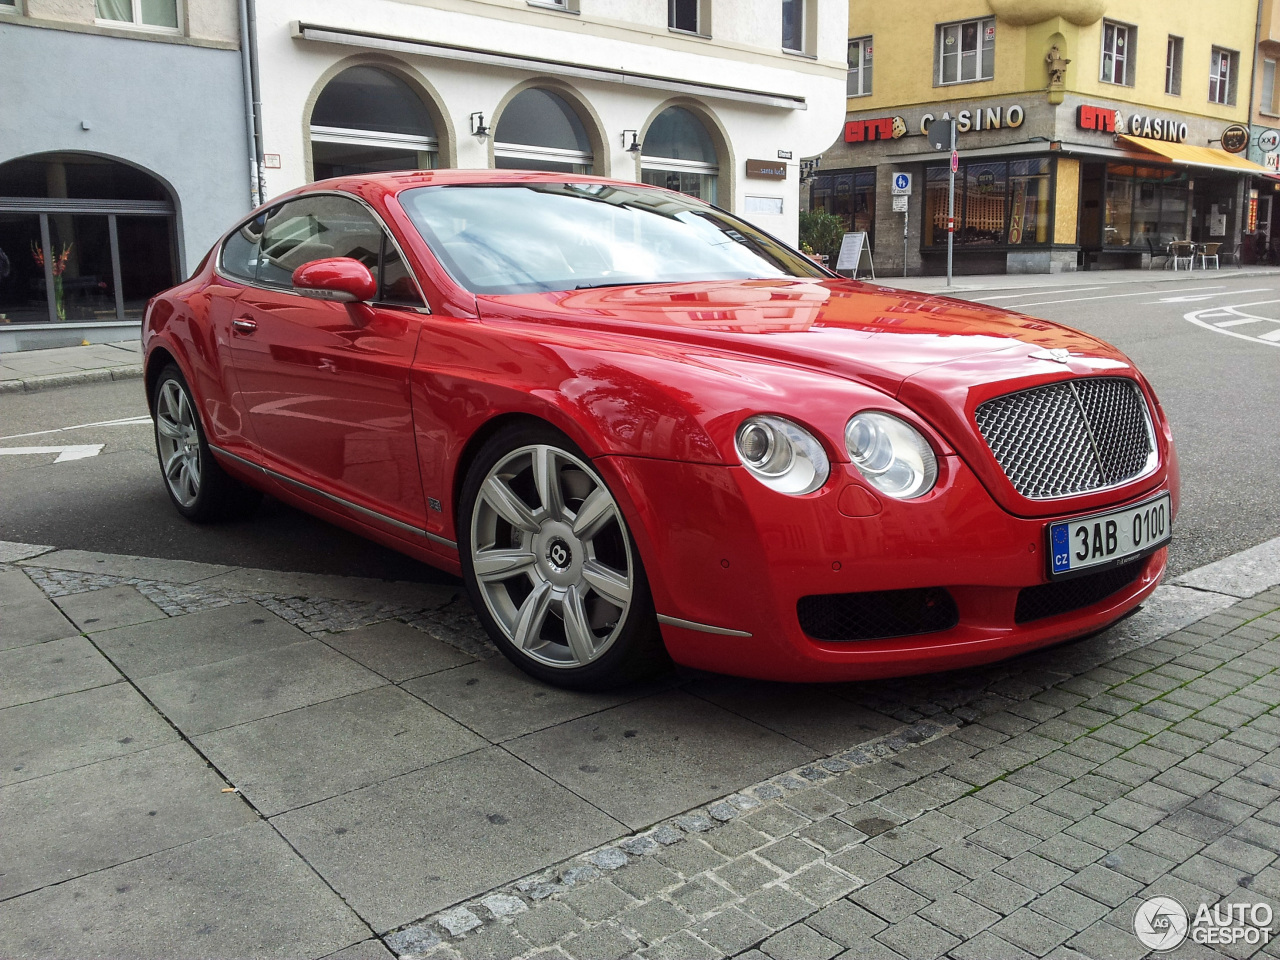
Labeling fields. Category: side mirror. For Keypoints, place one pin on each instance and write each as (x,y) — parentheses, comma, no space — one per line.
(337,278)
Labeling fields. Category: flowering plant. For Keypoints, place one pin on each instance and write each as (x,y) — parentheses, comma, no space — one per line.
(59,262)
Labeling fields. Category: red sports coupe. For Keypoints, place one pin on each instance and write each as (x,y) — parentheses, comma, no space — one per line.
(638,426)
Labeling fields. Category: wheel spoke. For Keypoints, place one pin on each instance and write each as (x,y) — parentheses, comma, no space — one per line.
(576,628)
(546,476)
(499,564)
(173,464)
(594,513)
(170,404)
(193,470)
(184,408)
(610,584)
(509,506)
(533,613)
(167,427)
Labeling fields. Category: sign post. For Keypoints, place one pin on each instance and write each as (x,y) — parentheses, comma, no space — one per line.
(901,191)
(942,136)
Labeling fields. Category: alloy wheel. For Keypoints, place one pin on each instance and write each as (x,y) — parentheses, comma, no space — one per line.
(179,442)
(551,556)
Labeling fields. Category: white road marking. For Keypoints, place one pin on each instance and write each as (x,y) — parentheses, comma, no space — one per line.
(1201,319)
(1040,293)
(1273,336)
(1105,296)
(125,422)
(1207,296)
(71,452)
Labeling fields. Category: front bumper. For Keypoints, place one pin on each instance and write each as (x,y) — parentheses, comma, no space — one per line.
(723,551)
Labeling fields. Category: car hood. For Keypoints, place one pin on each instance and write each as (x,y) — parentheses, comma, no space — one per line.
(871,333)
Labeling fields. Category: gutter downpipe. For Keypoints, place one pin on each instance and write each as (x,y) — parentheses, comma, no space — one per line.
(252,99)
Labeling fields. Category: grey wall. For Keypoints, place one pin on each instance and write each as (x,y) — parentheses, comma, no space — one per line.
(175,110)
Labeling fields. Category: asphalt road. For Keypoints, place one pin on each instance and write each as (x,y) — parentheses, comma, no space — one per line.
(1203,345)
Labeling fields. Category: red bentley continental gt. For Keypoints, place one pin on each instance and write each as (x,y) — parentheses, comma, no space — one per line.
(638,426)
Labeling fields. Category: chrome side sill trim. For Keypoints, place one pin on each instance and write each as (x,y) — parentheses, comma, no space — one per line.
(701,627)
(409,528)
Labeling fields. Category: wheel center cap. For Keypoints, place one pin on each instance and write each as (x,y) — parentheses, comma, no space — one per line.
(559,555)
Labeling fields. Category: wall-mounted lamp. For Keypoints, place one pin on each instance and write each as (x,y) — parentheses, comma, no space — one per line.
(635,141)
(478,129)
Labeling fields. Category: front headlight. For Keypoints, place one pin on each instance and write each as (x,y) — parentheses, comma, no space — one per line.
(782,455)
(891,454)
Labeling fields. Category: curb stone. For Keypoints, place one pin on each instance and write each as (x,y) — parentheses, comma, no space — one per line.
(51,381)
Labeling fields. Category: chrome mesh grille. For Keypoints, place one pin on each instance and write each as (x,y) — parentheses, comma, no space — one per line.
(1071,437)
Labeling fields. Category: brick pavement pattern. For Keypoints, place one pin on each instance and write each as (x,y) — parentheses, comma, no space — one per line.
(1034,831)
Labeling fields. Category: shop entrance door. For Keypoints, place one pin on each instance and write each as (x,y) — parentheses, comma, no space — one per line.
(1091,180)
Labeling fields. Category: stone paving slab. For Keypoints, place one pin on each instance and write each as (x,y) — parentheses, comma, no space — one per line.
(90,818)
(171,571)
(105,609)
(52,668)
(243,893)
(334,747)
(417,843)
(63,732)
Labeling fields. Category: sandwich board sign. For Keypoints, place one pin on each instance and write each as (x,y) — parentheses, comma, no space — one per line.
(851,249)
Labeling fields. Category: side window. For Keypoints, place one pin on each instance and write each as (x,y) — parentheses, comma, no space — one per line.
(313,228)
(240,251)
(397,286)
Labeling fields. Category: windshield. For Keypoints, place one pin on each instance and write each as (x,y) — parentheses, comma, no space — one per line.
(532,238)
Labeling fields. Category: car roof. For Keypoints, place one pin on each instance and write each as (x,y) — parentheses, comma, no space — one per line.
(395,182)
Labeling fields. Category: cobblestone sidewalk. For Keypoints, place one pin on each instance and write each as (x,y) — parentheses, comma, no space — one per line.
(1035,831)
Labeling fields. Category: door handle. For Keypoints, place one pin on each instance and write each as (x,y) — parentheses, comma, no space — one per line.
(244,325)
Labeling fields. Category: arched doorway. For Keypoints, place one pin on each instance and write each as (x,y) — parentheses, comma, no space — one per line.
(367,120)
(538,130)
(85,239)
(678,154)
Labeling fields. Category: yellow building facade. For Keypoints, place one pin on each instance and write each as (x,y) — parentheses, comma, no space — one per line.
(1090,133)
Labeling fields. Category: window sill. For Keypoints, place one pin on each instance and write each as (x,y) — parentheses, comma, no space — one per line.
(857,96)
(557,7)
(139,27)
(800,53)
(1112,83)
(961,83)
(689,33)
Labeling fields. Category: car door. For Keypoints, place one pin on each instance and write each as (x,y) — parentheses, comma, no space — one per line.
(326,385)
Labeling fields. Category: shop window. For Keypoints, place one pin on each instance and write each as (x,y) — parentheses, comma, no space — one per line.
(997,203)
(965,51)
(678,154)
(368,120)
(683,15)
(538,130)
(859,75)
(1173,67)
(1144,207)
(849,195)
(1118,41)
(152,14)
(1222,75)
(795,26)
(1268,104)
(85,240)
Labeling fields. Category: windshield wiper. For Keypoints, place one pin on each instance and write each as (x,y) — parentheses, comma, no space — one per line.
(613,283)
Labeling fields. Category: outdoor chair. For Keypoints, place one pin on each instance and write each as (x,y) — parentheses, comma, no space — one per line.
(1209,251)
(1156,252)
(1180,251)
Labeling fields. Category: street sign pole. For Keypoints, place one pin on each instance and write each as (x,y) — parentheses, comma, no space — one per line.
(951,204)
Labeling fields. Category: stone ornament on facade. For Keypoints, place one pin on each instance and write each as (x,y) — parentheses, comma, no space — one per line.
(1057,66)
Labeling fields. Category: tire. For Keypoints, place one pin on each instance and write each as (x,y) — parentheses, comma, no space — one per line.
(553,571)
(198,487)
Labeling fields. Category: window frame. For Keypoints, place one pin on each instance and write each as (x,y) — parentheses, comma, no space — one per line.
(940,55)
(1267,105)
(673,19)
(1127,59)
(135,7)
(1173,66)
(803,31)
(863,70)
(267,213)
(1232,58)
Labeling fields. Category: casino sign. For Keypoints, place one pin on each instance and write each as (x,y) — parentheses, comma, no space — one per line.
(1107,120)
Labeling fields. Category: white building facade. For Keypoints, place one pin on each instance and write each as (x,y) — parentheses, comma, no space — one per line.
(716,98)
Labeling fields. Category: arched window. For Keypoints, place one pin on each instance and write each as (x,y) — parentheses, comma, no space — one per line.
(538,130)
(678,154)
(366,120)
(85,239)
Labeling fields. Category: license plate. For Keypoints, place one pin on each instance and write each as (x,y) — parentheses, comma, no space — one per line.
(1109,539)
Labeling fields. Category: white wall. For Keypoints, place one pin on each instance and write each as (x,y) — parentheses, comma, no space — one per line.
(749,57)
